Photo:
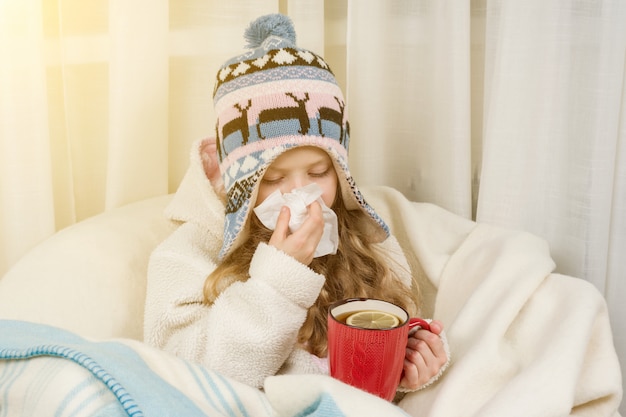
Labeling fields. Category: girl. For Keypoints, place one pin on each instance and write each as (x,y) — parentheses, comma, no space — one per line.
(228,292)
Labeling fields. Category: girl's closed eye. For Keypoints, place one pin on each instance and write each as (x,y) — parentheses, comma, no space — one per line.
(271,180)
(319,174)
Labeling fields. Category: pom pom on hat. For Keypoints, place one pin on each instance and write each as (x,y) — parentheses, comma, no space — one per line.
(269,25)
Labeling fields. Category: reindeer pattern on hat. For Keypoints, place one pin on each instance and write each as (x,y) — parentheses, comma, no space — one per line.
(288,113)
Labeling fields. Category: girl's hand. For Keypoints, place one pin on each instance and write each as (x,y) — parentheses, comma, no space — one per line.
(425,355)
(302,243)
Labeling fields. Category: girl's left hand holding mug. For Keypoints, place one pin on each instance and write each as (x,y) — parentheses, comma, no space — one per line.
(425,355)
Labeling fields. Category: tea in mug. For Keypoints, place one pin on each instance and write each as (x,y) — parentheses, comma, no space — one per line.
(370,319)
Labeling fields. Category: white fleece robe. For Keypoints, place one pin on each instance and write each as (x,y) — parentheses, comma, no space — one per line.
(250,331)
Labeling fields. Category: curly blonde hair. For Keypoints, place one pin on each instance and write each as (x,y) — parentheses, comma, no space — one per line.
(358,269)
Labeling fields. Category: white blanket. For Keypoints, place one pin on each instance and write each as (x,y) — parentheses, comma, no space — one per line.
(524,340)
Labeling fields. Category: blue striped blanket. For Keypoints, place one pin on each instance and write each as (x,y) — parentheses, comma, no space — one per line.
(47,371)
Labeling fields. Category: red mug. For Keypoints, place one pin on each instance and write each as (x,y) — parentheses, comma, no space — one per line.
(369,359)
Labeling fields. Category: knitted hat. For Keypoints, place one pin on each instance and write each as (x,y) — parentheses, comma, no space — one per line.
(273,98)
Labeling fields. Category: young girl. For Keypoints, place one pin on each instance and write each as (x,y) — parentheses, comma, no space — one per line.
(226,291)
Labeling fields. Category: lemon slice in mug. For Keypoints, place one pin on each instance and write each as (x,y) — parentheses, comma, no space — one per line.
(371,319)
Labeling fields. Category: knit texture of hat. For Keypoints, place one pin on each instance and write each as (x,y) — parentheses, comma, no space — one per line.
(273,98)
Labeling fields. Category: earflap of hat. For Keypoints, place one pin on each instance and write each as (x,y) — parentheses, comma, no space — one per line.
(354,200)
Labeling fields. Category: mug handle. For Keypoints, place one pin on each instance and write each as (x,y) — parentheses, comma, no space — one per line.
(414,322)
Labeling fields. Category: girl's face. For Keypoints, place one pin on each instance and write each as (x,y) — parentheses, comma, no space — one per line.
(299,167)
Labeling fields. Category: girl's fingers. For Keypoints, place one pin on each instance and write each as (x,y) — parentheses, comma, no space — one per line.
(428,342)
(314,224)
(282,226)
(436,327)
(425,355)
(303,242)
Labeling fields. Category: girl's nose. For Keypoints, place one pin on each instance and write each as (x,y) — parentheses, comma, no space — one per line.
(297,182)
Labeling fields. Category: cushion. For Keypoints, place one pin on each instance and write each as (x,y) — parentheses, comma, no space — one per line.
(89,278)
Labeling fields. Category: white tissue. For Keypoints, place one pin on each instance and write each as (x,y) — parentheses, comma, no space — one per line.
(298,201)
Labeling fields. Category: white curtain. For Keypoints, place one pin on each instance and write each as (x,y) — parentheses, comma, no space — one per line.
(508,112)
